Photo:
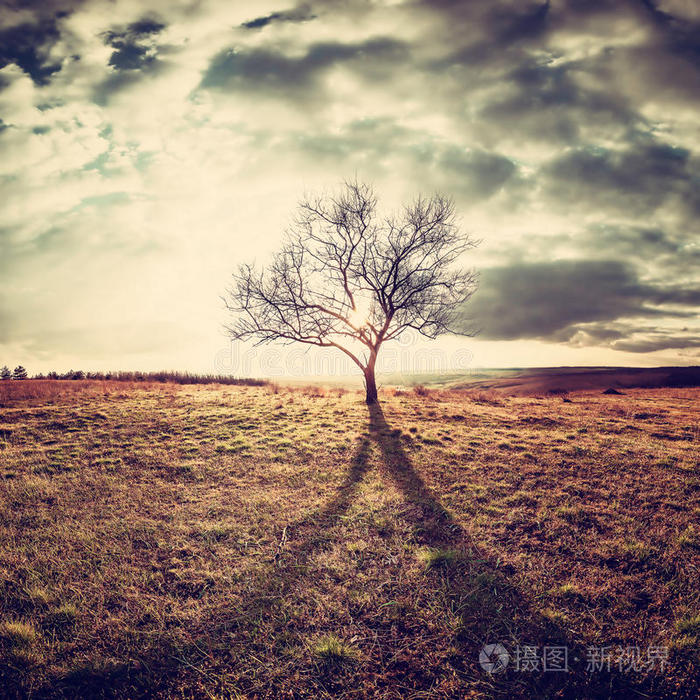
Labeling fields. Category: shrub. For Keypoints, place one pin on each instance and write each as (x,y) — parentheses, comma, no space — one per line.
(489,397)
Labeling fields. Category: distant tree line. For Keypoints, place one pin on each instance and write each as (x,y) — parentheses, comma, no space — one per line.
(162,376)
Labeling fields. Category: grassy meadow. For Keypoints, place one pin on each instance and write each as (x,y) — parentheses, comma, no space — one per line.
(215,541)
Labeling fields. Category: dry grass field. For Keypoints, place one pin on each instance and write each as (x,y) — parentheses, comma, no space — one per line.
(267,542)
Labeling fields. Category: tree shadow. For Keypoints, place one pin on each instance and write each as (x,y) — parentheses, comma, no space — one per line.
(436,526)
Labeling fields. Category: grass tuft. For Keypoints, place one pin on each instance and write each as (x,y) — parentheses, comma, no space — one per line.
(689,538)
(63,616)
(435,558)
(331,649)
(689,626)
(18,633)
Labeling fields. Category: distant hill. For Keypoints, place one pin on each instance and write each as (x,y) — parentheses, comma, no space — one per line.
(563,379)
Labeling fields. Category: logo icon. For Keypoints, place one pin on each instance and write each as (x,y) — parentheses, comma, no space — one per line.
(493,658)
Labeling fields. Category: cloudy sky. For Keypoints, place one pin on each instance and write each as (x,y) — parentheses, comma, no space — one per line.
(145,153)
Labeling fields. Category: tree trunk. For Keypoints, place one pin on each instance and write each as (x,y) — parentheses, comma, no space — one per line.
(370,385)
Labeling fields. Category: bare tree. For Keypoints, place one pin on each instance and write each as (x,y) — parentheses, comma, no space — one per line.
(347,279)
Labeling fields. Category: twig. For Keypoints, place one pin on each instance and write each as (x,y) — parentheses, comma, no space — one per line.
(281,544)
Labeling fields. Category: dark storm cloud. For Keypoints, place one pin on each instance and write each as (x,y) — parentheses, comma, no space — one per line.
(656,342)
(134,31)
(131,53)
(27,46)
(144,27)
(681,33)
(504,22)
(546,300)
(642,242)
(638,178)
(28,43)
(669,294)
(627,337)
(259,70)
(485,39)
(545,102)
(302,13)
(131,56)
